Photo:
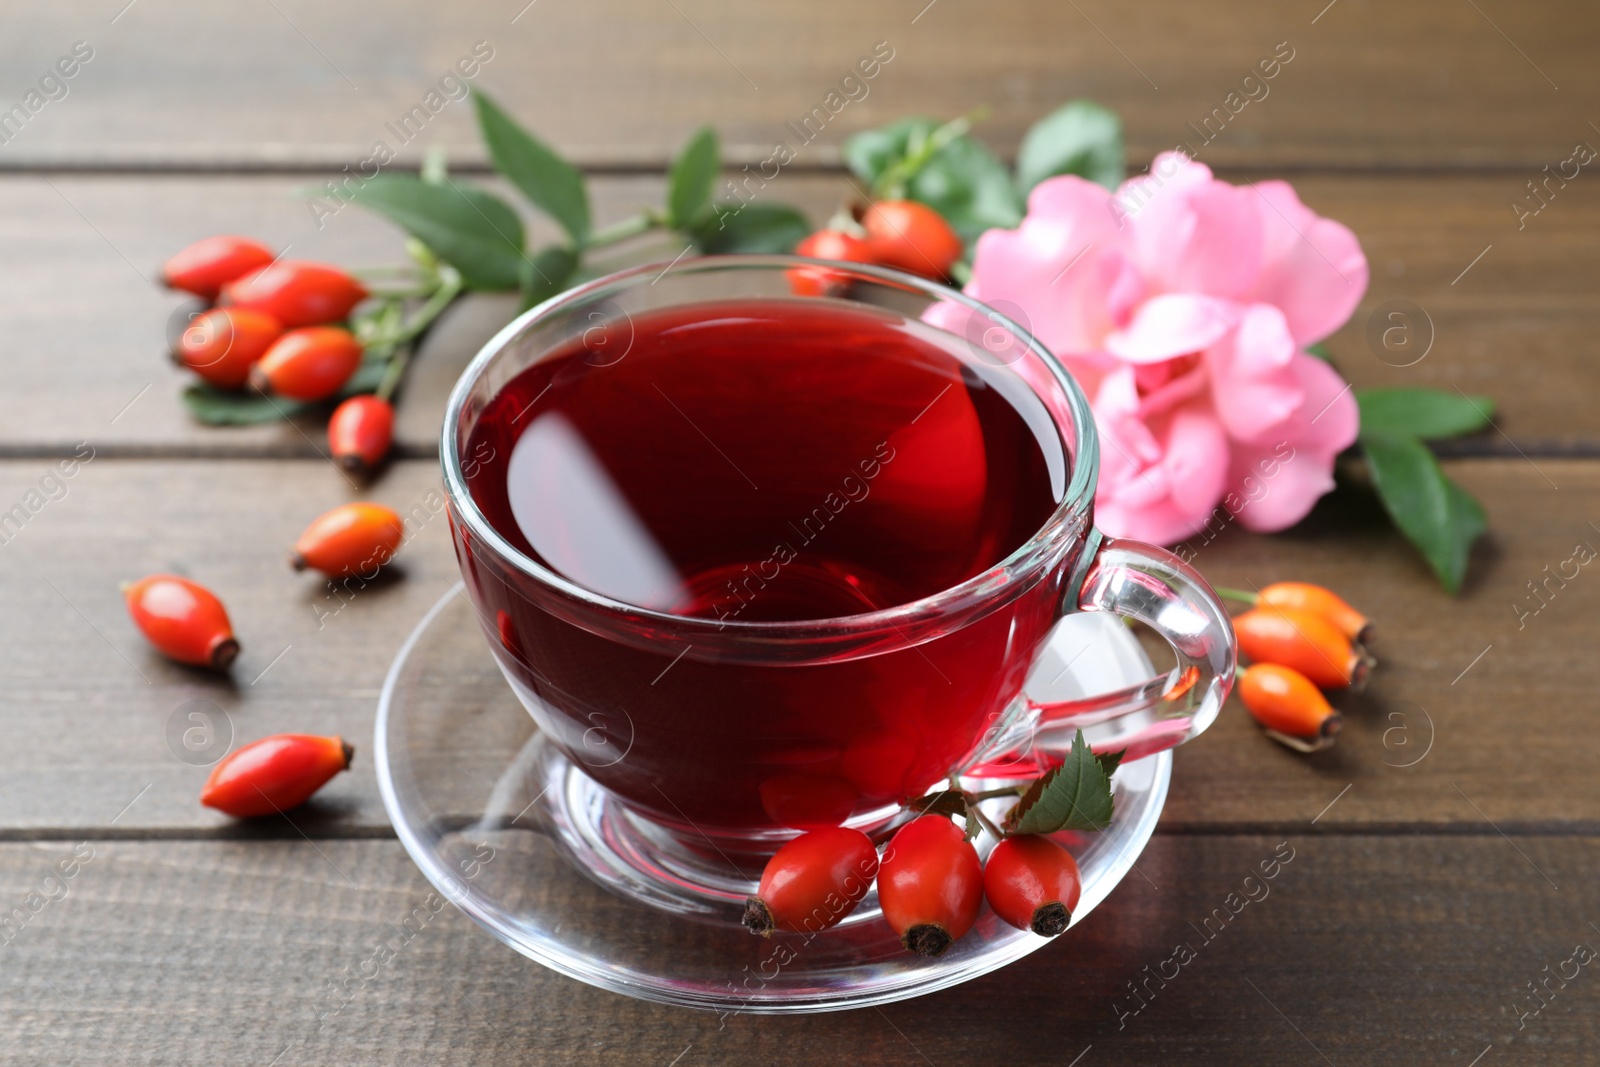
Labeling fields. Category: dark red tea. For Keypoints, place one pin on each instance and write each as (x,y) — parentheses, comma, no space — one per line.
(759,461)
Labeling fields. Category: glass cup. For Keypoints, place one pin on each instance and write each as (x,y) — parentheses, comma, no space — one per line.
(682,741)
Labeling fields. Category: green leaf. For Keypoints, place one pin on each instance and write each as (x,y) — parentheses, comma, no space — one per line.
(756,227)
(690,180)
(365,379)
(1320,350)
(227,407)
(222,407)
(549,182)
(1425,413)
(1434,513)
(474,231)
(1073,796)
(963,180)
(1110,761)
(548,273)
(1079,138)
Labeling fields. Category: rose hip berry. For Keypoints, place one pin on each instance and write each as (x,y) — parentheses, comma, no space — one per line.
(274,774)
(221,345)
(911,237)
(827,244)
(1315,600)
(1032,883)
(183,619)
(351,539)
(360,431)
(309,363)
(930,884)
(813,882)
(211,262)
(1308,643)
(1283,699)
(297,293)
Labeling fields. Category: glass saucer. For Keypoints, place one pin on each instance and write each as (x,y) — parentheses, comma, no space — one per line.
(497,820)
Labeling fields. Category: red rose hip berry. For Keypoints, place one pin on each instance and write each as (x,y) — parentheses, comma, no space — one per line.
(360,431)
(1032,883)
(309,363)
(813,882)
(183,619)
(827,244)
(930,885)
(297,293)
(911,237)
(222,344)
(212,262)
(274,774)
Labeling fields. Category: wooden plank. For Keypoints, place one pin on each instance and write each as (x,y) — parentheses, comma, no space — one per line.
(1354,951)
(84,330)
(624,82)
(1467,689)
(1503,737)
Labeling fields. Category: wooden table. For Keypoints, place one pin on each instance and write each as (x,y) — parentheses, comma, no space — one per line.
(1445,850)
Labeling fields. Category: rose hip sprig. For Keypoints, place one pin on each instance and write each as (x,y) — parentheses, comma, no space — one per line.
(931,881)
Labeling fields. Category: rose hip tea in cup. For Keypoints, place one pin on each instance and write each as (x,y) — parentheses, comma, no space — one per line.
(758,563)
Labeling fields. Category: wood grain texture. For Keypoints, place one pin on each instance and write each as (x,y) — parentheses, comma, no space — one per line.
(81,355)
(88,705)
(624,82)
(1380,950)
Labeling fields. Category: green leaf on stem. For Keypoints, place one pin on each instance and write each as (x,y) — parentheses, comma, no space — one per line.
(228,407)
(549,182)
(474,231)
(546,274)
(224,407)
(1079,138)
(366,377)
(1073,796)
(959,178)
(1434,513)
(1426,413)
(1110,761)
(690,180)
(755,227)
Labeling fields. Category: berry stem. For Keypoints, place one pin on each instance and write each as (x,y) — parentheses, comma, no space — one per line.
(995,794)
(409,337)
(1240,595)
(891,184)
(633,226)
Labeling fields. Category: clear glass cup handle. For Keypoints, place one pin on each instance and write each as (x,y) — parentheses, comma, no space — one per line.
(1155,587)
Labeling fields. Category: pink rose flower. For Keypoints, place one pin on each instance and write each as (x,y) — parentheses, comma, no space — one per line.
(1183,305)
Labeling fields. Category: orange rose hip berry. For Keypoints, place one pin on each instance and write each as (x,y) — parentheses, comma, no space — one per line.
(1315,600)
(1308,643)
(1282,699)
(310,363)
(351,539)
(221,345)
